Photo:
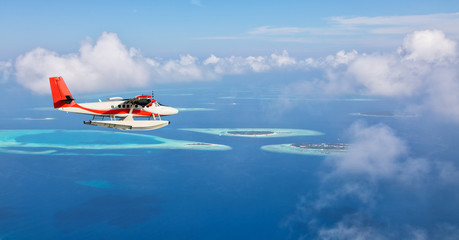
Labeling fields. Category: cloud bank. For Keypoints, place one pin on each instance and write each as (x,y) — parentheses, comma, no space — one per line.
(425,67)
(109,65)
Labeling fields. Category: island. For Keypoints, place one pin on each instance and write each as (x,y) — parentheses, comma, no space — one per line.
(383,114)
(90,142)
(199,144)
(251,133)
(321,146)
(255,132)
(318,149)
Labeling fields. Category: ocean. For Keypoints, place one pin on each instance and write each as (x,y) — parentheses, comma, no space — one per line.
(52,191)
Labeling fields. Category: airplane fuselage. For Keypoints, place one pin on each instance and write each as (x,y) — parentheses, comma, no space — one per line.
(119,109)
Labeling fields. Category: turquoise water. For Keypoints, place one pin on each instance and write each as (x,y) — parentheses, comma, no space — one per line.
(66,137)
(34,141)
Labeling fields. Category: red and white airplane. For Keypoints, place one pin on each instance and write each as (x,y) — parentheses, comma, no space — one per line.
(120,111)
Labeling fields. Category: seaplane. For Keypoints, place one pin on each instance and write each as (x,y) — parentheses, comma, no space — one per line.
(120,111)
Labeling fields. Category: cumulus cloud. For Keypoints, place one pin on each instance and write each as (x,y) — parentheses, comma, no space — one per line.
(375,151)
(183,69)
(283,60)
(393,74)
(441,91)
(240,65)
(428,45)
(107,64)
(402,74)
(424,68)
(383,75)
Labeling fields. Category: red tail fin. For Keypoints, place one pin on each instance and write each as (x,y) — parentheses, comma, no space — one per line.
(60,92)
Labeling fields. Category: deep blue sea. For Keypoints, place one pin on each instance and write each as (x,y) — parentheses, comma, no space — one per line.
(242,193)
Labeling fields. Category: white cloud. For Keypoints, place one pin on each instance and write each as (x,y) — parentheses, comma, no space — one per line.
(211,60)
(107,64)
(376,153)
(374,28)
(441,90)
(445,22)
(240,65)
(227,65)
(351,228)
(186,68)
(257,64)
(428,45)
(374,150)
(341,57)
(425,67)
(385,75)
(283,60)
(359,191)
(6,68)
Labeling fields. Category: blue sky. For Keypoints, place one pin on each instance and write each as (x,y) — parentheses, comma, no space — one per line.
(379,49)
(201,28)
